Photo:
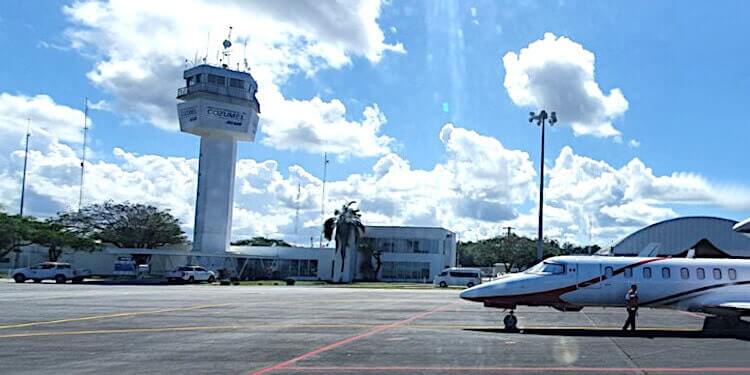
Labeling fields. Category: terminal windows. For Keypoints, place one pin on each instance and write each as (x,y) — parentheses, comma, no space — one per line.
(415,271)
(717,274)
(701,273)
(399,245)
(646,272)
(684,273)
(608,272)
(665,273)
(732,274)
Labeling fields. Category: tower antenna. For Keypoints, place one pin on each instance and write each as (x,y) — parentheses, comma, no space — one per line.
(208,42)
(244,56)
(227,44)
(83,154)
(25,160)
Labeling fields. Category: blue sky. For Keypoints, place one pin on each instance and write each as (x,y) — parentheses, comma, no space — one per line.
(681,69)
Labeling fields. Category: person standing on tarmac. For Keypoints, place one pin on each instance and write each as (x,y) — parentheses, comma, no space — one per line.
(631,298)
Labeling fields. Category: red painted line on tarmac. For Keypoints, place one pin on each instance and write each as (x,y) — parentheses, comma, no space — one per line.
(325,348)
(384,369)
(694,315)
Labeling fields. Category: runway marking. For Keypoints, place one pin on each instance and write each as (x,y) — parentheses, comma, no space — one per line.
(409,369)
(116,315)
(334,345)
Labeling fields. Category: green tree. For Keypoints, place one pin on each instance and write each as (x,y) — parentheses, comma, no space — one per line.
(14,233)
(56,237)
(370,254)
(261,241)
(512,251)
(126,225)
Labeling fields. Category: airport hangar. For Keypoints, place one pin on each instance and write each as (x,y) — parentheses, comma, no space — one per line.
(710,237)
(410,254)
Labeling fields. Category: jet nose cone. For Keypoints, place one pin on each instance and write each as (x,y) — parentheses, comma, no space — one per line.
(472,294)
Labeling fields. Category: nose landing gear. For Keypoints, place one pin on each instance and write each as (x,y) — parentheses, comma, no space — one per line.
(510,322)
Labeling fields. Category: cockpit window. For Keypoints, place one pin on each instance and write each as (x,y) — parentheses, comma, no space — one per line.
(548,268)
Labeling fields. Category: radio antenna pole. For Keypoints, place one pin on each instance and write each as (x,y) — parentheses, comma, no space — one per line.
(25,161)
(83,154)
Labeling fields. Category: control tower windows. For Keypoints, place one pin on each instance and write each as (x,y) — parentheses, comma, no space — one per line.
(216,80)
(238,83)
(193,80)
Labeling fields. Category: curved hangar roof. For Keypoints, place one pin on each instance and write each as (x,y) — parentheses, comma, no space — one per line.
(675,236)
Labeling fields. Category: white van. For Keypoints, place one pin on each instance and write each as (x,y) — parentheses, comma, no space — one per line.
(458,276)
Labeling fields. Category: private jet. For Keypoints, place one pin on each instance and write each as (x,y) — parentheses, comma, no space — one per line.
(717,287)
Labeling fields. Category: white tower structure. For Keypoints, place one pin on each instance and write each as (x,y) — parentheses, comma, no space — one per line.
(219,105)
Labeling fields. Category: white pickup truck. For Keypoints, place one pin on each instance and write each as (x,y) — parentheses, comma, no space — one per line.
(60,272)
(191,274)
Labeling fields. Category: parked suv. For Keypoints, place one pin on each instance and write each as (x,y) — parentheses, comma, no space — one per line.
(191,274)
(60,272)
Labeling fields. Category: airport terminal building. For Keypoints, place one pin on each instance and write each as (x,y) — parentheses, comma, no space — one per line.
(409,254)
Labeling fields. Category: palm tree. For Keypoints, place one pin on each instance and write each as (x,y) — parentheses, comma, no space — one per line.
(343,223)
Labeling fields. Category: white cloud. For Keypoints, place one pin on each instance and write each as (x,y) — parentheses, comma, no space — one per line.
(617,201)
(139,49)
(319,126)
(557,74)
(48,119)
(479,187)
(634,143)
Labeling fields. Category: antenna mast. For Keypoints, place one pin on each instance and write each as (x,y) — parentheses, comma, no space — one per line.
(208,41)
(227,44)
(244,56)
(296,215)
(83,156)
(323,200)
(25,160)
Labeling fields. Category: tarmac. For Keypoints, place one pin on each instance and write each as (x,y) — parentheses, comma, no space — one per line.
(200,329)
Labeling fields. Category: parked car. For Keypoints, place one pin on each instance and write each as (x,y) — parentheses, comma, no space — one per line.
(191,274)
(60,272)
(458,276)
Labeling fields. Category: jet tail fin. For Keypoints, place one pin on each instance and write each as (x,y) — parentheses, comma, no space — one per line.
(650,250)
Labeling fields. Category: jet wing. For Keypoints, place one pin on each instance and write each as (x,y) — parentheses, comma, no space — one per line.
(743,308)
(736,306)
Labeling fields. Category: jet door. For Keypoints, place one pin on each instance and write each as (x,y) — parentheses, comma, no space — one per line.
(588,284)
(589,276)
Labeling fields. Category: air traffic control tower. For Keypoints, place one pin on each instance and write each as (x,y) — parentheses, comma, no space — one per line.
(219,105)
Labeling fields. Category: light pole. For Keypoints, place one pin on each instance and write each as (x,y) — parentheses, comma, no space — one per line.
(540,119)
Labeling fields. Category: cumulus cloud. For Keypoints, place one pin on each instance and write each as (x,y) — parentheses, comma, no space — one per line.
(140,48)
(557,74)
(614,201)
(46,118)
(480,186)
(318,126)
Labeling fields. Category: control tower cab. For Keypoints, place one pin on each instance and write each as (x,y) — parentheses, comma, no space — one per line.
(218,101)
(219,105)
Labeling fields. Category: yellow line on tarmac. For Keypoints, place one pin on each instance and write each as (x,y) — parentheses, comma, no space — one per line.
(179,329)
(261,326)
(105,316)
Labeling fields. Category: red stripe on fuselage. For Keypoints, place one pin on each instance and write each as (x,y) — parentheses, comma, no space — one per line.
(552,297)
